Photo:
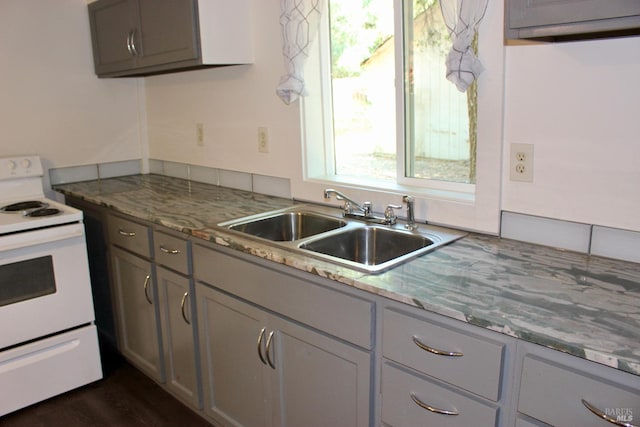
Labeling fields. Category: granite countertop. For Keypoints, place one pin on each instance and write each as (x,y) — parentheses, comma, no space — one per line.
(583,305)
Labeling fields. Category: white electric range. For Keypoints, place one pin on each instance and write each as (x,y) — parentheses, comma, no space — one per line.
(48,343)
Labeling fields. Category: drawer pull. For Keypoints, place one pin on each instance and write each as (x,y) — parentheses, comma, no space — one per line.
(182,304)
(146,293)
(169,251)
(260,338)
(126,233)
(435,350)
(604,416)
(431,408)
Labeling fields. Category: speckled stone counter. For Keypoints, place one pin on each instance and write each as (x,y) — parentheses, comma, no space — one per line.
(582,305)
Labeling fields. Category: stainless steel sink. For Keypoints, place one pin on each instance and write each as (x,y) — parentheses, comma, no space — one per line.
(319,232)
(369,245)
(288,226)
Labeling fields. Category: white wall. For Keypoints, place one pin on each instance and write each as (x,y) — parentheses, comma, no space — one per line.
(231,103)
(51,102)
(579,104)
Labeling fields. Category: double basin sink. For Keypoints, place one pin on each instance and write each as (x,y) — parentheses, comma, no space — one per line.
(321,233)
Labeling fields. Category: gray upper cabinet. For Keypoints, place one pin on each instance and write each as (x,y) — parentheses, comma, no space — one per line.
(558,19)
(143,37)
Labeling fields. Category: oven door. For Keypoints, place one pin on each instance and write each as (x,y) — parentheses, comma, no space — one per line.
(44,283)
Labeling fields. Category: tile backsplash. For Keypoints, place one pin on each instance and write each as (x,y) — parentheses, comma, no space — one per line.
(586,238)
(272,186)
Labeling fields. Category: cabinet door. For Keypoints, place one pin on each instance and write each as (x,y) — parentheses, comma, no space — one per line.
(530,13)
(236,388)
(178,339)
(321,381)
(169,31)
(137,312)
(114,32)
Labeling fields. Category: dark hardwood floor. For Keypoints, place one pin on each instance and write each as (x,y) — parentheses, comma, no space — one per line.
(125,397)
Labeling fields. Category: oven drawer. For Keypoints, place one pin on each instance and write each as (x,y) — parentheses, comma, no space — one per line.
(129,235)
(171,252)
(48,367)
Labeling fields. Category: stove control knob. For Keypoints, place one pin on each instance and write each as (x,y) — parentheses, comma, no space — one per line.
(26,163)
(11,165)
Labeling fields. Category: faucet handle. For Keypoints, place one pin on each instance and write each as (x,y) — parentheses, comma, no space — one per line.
(390,215)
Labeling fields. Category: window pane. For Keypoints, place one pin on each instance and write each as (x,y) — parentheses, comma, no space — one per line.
(363,90)
(437,114)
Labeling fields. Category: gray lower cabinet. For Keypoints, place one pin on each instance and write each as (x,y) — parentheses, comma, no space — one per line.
(267,368)
(136,308)
(247,342)
(263,370)
(178,336)
(566,391)
(435,373)
(155,305)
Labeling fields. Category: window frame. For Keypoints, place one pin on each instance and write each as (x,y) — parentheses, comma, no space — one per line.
(468,206)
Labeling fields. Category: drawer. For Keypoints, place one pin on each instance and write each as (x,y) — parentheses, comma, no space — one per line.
(476,367)
(336,313)
(129,235)
(554,393)
(399,409)
(172,252)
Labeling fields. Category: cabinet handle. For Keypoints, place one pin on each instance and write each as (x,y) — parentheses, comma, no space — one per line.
(126,233)
(435,350)
(146,285)
(182,304)
(129,48)
(268,349)
(604,416)
(260,338)
(431,408)
(131,43)
(169,251)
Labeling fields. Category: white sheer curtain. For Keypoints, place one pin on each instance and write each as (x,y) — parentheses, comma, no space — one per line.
(462,18)
(299,20)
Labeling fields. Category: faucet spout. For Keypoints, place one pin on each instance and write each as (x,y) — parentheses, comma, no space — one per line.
(365,208)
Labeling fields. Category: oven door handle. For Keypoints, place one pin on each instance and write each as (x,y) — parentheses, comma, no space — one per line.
(39,237)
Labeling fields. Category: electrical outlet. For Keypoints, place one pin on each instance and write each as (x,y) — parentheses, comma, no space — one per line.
(263,140)
(200,134)
(521,162)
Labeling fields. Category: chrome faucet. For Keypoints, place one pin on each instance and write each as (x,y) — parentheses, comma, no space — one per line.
(411,219)
(349,203)
(366,208)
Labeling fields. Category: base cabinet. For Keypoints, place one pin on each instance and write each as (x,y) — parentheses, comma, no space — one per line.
(137,316)
(565,391)
(178,336)
(263,370)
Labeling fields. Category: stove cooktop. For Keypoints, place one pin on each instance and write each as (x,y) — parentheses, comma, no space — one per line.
(49,213)
(23,205)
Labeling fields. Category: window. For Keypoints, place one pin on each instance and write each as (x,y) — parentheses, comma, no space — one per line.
(363,65)
(382,119)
